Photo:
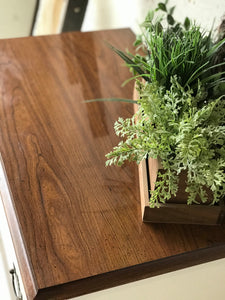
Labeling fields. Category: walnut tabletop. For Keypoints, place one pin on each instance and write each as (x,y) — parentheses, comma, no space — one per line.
(76,225)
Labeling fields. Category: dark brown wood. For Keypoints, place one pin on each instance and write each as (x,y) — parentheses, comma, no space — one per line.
(176,209)
(79,223)
(5,194)
(183,214)
(123,276)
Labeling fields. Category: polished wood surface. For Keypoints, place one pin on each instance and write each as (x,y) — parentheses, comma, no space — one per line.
(80,222)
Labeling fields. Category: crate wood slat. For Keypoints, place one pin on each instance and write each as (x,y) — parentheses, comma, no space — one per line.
(174,212)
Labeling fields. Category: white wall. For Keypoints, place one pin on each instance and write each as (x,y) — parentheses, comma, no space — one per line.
(205,12)
(106,14)
(16,17)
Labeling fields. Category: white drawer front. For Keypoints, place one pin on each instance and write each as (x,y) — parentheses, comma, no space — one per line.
(9,262)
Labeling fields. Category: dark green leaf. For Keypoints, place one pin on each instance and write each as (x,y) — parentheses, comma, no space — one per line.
(187,23)
(126,59)
(176,27)
(162,6)
(158,27)
(171,10)
(170,19)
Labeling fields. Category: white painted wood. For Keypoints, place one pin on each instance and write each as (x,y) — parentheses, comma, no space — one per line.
(50,17)
(5,286)
(7,255)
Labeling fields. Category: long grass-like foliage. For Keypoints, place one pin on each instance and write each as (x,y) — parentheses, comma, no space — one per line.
(185,51)
(181,115)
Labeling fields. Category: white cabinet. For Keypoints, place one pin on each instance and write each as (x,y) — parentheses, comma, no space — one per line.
(9,270)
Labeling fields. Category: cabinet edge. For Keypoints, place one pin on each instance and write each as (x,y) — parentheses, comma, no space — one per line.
(15,231)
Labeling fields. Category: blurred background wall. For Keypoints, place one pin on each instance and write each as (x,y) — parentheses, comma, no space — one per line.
(22,17)
(130,13)
(16,17)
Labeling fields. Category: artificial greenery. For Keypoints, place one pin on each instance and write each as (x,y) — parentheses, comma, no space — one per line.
(184,50)
(181,115)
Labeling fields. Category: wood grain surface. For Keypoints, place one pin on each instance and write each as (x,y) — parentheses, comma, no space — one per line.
(80,222)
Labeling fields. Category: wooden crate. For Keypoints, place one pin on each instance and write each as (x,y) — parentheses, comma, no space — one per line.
(176,211)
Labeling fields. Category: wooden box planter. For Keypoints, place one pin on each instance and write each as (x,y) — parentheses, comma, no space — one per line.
(176,211)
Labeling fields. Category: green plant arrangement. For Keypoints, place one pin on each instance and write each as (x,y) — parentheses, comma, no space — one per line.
(180,79)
